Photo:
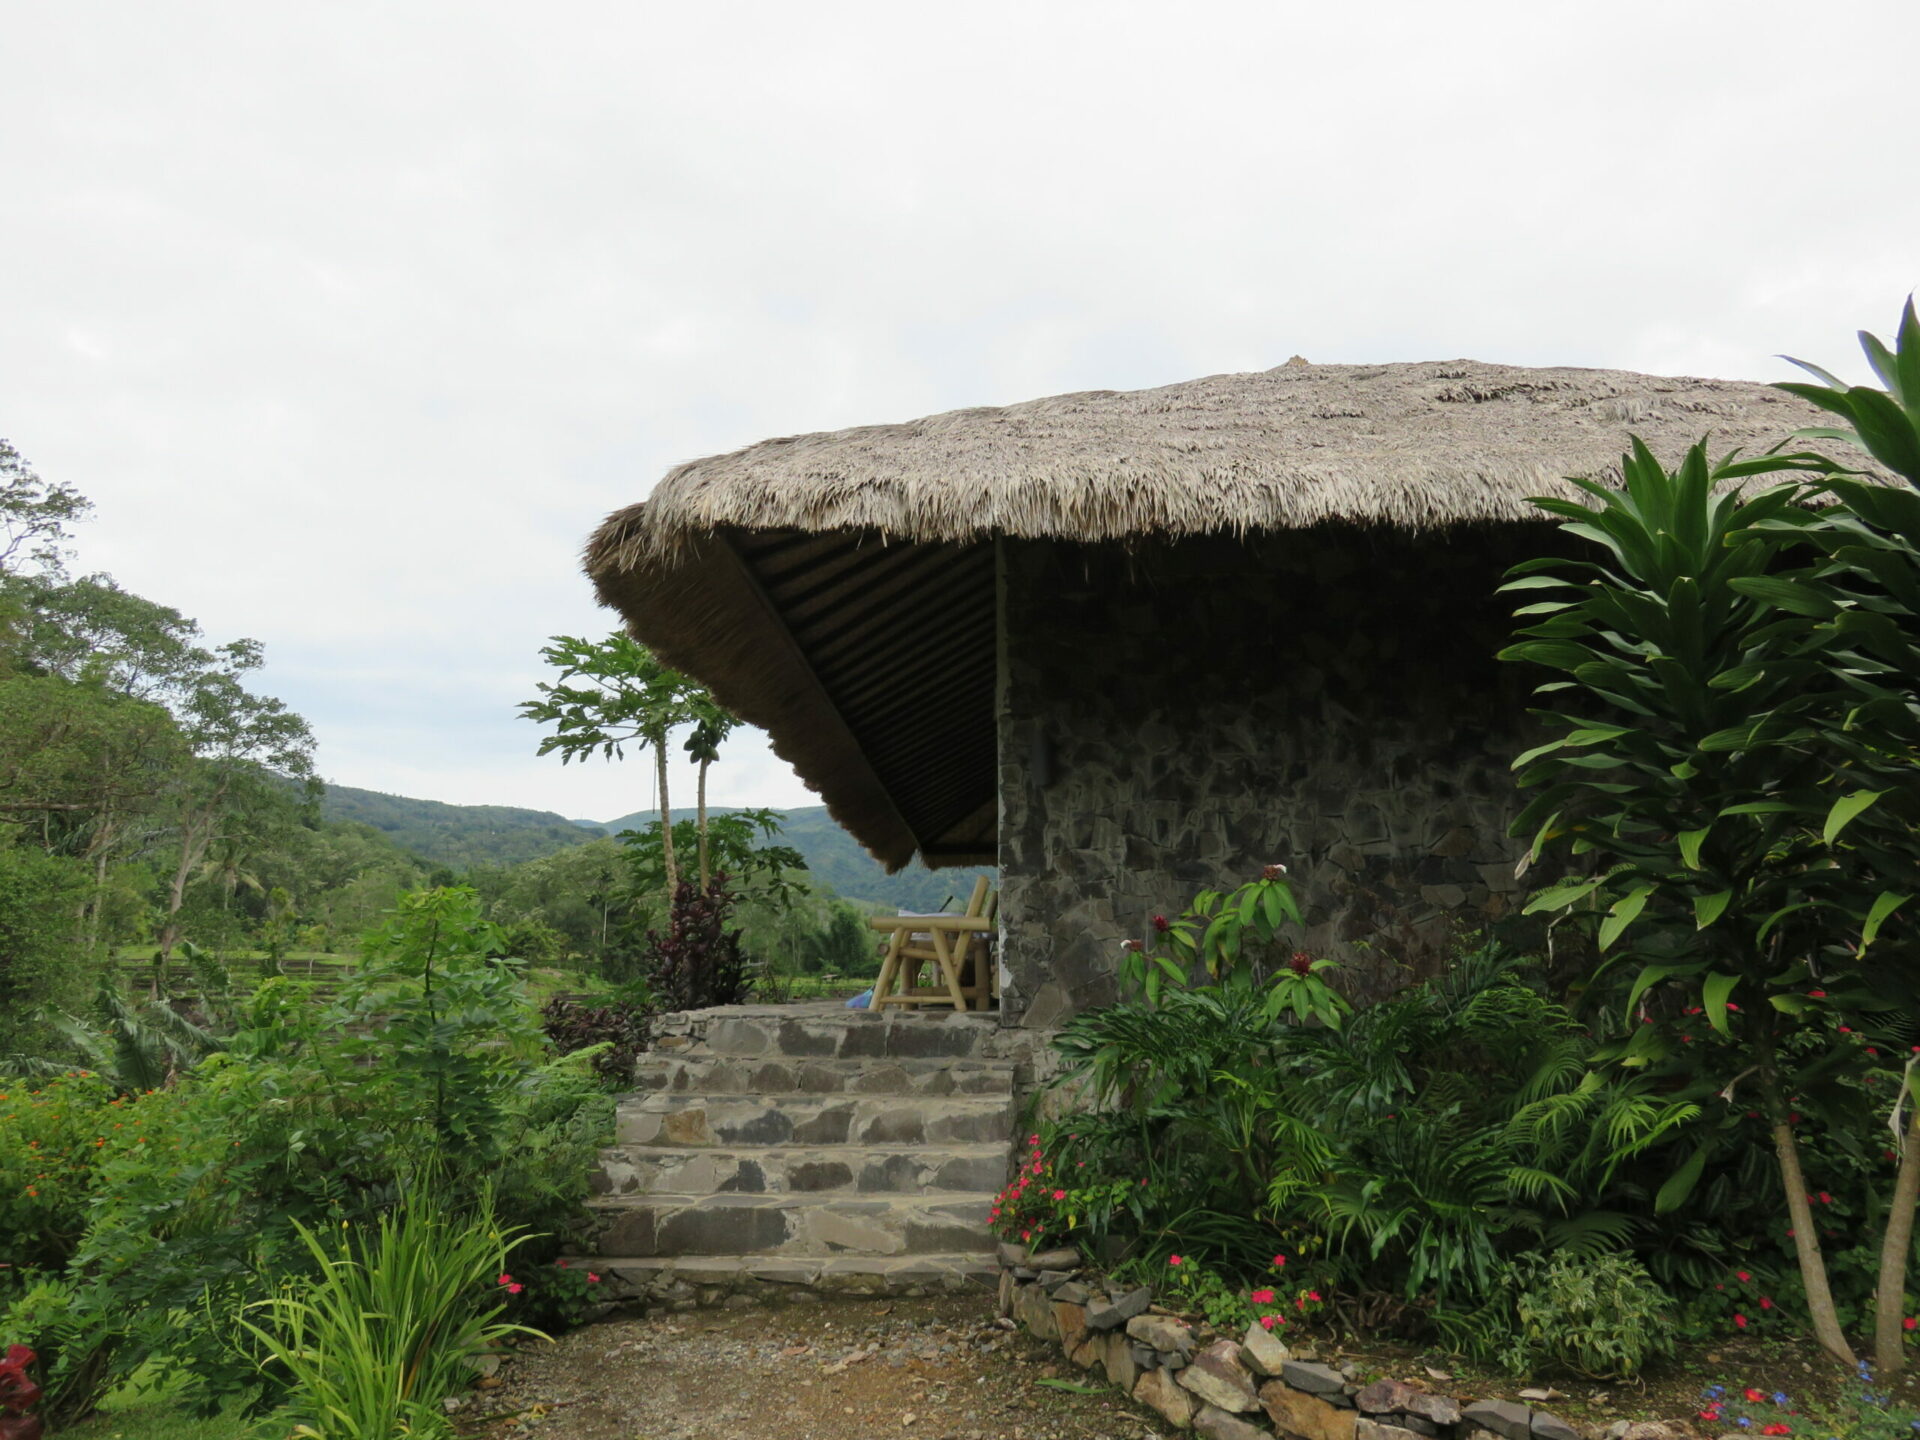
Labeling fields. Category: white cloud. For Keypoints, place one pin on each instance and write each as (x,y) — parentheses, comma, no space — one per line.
(354,319)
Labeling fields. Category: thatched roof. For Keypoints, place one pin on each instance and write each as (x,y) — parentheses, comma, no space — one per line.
(761,572)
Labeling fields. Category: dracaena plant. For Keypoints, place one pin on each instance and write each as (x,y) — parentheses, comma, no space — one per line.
(1686,769)
(1851,625)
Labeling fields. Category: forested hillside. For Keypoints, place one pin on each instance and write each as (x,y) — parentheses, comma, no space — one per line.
(457,836)
(837,860)
(463,837)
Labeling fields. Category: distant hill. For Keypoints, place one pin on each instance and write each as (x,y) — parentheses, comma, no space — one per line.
(457,836)
(462,837)
(836,859)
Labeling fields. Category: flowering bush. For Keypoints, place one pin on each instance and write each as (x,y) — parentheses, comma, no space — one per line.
(52,1133)
(1184,1283)
(548,1297)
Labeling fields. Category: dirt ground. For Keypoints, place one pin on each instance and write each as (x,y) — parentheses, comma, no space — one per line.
(850,1370)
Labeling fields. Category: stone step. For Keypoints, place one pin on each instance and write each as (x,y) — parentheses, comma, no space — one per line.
(802,1032)
(782,1075)
(686,1282)
(680,1120)
(790,1226)
(831,1170)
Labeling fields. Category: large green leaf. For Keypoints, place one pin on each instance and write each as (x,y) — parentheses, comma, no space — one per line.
(1883,907)
(1845,809)
(1714,992)
(1680,1184)
(1689,842)
(1622,913)
(1709,908)
(1559,897)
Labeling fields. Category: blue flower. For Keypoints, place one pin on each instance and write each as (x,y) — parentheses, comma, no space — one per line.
(1714,1392)
(1779,1397)
(1743,1422)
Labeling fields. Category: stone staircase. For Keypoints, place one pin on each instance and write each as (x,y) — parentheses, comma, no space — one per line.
(792,1151)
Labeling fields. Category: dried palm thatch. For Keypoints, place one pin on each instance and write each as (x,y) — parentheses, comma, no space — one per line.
(737,564)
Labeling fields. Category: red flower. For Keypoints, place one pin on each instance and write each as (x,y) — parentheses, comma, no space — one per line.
(1267,1322)
(1279,1261)
(1741,1321)
(1765,1304)
(1910,1323)
(1059,1194)
(1742,1276)
(1825,1198)
(1756,1396)
(1776,1429)
(1301,963)
(1173,1260)
(1816,994)
(1160,923)
(515,1289)
(1313,1294)
(1261,1297)
(592,1279)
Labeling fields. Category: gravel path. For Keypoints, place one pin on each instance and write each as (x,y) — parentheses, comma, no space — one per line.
(906,1370)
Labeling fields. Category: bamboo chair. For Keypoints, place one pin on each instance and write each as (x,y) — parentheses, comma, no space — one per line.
(941,959)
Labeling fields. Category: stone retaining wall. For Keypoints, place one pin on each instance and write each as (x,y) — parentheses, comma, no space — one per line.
(1253,1388)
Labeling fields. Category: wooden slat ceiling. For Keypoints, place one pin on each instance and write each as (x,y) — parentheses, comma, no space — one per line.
(901,639)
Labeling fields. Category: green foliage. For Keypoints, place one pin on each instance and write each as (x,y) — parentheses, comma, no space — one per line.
(39,895)
(429,1063)
(1597,1314)
(757,872)
(462,837)
(384,1328)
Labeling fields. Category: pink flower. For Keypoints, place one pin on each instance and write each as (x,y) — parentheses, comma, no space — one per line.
(515,1289)
(1279,1261)
(504,1280)
(1059,1194)
(1742,1276)
(1267,1322)
(1261,1297)
(1313,1295)
(1765,1303)
(1740,1321)
(1910,1323)
(592,1279)
(1825,1198)
(561,1263)
(1173,1260)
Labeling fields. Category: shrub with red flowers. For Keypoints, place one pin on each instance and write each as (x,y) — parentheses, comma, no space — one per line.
(549,1298)
(1032,1208)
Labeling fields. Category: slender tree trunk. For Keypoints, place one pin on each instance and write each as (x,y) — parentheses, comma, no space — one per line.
(1889,1348)
(702,801)
(1806,1244)
(666,819)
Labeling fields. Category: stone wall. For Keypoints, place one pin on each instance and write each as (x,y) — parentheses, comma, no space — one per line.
(1253,1388)
(1172,718)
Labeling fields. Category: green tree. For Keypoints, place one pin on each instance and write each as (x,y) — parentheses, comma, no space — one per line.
(1691,775)
(613,693)
(35,517)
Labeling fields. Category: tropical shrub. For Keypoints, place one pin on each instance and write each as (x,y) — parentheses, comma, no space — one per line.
(1600,1315)
(430,1065)
(698,961)
(1407,1150)
(1738,744)
(617,1034)
(384,1327)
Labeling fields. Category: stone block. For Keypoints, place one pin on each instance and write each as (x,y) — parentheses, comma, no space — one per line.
(1052,1280)
(1112,1314)
(1315,1379)
(1435,1409)
(1003,1304)
(1071,1322)
(1505,1418)
(1218,1375)
(1383,1396)
(1365,1429)
(1118,1359)
(1012,1256)
(1162,1332)
(1265,1352)
(1064,1257)
(1033,1309)
(1552,1427)
(1088,1352)
(1310,1417)
(1157,1390)
(1216,1424)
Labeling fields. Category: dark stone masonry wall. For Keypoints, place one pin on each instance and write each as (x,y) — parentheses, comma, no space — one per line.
(1175,717)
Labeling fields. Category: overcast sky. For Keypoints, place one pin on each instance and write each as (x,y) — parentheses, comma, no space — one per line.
(355,318)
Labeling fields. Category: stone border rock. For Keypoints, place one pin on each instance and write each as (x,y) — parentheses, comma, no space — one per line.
(1250,1389)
